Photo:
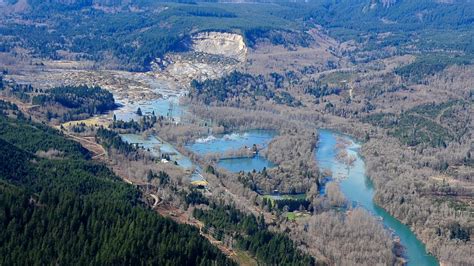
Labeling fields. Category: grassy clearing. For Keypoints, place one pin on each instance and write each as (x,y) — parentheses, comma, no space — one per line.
(199,183)
(93,121)
(297,196)
(292,216)
(244,258)
(338,79)
(285,197)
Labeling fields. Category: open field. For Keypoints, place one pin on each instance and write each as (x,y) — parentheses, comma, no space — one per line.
(96,121)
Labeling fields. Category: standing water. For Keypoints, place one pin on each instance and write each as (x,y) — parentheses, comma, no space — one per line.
(358,188)
(166,107)
(235,141)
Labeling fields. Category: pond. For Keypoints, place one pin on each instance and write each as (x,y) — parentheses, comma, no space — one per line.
(236,165)
(234,141)
(354,183)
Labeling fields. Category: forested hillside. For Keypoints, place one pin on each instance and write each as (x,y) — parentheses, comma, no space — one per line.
(239,86)
(64,103)
(57,207)
(252,234)
(134,33)
(273,85)
(405,25)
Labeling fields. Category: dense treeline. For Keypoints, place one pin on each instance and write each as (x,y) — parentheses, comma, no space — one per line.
(429,64)
(128,125)
(195,197)
(286,38)
(208,12)
(37,137)
(286,204)
(74,211)
(77,100)
(237,87)
(112,140)
(7,106)
(235,84)
(86,99)
(144,122)
(321,90)
(252,235)
(64,103)
(291,204)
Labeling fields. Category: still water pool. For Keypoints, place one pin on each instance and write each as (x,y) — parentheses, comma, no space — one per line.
(235,141)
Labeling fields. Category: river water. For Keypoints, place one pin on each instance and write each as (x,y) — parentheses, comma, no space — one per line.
(358,189)
(354,183)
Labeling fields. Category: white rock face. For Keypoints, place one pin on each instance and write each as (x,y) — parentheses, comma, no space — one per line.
(187,71)
(211,55)
(220,43)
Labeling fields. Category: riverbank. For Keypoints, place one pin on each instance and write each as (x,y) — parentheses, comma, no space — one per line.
(358,189)
(223,144)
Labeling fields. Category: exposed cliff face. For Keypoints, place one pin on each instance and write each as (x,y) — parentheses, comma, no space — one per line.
(211,55)
(220,43)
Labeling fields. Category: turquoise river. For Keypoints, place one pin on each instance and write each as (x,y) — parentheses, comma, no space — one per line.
(354,182)
(358,189)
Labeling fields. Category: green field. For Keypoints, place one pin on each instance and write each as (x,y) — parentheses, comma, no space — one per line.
(286,196)
(337,78)
(292,216)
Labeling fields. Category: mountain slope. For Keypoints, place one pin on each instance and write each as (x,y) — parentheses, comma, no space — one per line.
(63,210)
